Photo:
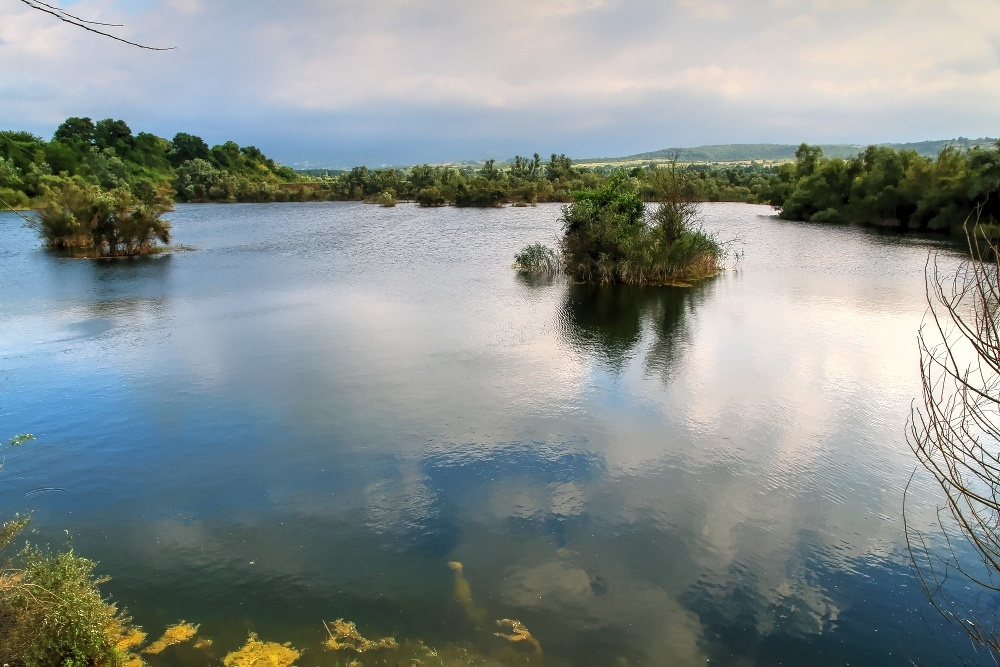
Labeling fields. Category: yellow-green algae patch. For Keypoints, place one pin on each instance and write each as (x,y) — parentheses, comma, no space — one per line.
(256,653)
(463,592)
(518,633)
(128,640)
(344,634)
(175,634)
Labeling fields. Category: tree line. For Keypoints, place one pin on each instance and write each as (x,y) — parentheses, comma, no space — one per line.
(107,154)
(882,186)
(100,189)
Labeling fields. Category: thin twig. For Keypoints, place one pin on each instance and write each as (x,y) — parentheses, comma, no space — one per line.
(64,18)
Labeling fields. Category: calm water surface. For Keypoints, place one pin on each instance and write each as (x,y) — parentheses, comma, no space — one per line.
(310,415)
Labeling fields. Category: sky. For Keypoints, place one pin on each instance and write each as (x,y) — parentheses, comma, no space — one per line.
(344,82)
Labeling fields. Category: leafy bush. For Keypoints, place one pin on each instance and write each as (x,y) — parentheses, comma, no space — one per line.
(430,197)
(51,613)
(385,199)
(608,237)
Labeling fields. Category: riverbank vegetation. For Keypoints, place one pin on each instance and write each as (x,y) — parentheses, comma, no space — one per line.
(894,189)
(51,609)
(879,186)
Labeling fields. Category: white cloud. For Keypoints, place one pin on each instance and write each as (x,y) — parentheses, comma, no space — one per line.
(583,73)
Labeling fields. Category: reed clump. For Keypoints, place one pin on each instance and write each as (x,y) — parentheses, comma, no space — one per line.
(538,258)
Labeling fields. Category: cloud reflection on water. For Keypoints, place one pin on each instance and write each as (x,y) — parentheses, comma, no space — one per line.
(640,471)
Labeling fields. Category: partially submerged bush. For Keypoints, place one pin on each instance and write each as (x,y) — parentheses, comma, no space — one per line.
(609,237)
(537,258)
(386,198)
(430,197)
(88,220)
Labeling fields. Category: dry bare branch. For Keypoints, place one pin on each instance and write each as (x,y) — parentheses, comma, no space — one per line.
(954,430)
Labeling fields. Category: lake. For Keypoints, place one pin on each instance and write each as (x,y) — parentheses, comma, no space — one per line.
(314,413)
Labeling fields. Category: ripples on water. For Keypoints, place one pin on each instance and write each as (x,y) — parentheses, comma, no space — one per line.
(314,413)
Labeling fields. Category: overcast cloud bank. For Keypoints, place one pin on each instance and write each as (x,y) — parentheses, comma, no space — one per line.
(401,81)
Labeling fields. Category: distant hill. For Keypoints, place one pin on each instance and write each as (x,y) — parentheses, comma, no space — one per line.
(782,152)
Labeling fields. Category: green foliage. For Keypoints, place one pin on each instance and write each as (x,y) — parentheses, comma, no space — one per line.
(107,154)
(106,223)
(186,147)
(386,198)
(52,613)
(78,131)
(11,529)
(20,439)
(609,238)
(197,180)
(431,196)
(882,186)
(113,134)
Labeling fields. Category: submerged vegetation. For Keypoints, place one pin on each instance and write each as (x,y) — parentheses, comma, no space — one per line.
(52,614)
(538,258)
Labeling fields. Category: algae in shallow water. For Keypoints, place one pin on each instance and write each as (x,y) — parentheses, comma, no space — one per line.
(130,638)
(463,592)
(518,633)
(175,634)
(344,634)
(256,653)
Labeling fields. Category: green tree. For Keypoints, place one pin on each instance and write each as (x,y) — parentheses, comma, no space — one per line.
(559,167)
(76,131)
(194,179)
(186,147)
(113,134)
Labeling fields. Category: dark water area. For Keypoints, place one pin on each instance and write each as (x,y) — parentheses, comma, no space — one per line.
(313,413)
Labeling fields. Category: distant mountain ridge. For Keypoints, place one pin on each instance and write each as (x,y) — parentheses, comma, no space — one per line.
(781,152)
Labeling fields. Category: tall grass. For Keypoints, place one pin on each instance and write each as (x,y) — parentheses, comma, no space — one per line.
(538,259)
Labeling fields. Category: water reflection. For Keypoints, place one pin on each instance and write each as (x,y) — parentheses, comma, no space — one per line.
(531,488)
(609,322)
(261,442)
(534,281)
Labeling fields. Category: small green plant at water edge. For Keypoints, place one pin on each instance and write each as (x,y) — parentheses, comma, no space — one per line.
(537,258)
(51,611)
(53,614)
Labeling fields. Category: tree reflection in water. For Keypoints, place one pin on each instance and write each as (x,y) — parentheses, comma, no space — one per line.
(609,322)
